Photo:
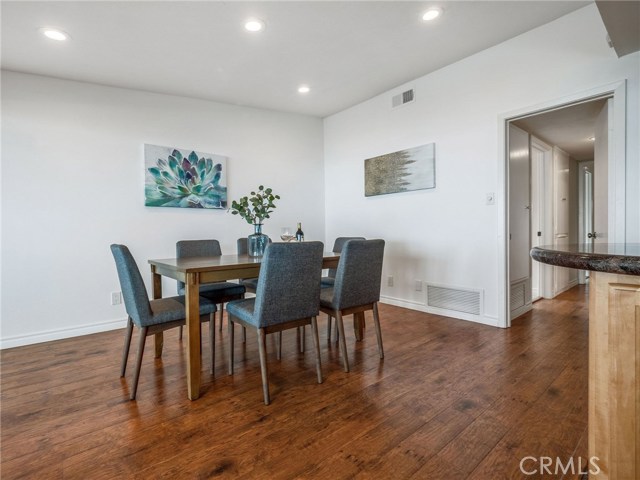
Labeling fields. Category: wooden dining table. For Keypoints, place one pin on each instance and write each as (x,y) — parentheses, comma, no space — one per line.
(195,271)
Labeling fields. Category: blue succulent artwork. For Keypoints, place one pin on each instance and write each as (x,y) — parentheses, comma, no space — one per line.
(184,178)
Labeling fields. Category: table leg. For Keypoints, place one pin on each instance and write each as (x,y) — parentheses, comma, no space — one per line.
(157,293)
(358,325)
(192,295)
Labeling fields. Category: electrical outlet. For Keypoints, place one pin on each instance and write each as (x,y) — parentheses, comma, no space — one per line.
(116,298)
(418,285)
(390,281)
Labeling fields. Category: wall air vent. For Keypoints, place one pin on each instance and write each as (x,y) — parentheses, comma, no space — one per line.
(518,295)
(459,300)
(402,98)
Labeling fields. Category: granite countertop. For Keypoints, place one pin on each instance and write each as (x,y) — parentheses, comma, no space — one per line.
(600,257)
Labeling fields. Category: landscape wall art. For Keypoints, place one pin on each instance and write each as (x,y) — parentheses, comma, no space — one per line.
(402,171)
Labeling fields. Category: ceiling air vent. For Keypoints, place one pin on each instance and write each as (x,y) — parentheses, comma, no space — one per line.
(402,98)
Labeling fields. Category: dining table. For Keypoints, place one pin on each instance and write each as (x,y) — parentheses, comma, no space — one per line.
(196,271)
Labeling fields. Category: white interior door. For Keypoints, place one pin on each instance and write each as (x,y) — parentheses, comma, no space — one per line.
(602,152)
(585,209)
(537,208)
(519,221)
(565,215)
(541,208)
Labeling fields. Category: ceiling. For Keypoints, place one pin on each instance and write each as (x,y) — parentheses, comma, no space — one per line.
(346,52)
(570,128)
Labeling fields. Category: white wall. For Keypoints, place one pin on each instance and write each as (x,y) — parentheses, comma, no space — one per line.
(449,235)
(72,183)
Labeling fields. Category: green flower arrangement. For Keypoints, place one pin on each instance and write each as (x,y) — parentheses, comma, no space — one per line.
(255,208)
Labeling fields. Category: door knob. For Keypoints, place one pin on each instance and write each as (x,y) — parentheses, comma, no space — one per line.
(591,235)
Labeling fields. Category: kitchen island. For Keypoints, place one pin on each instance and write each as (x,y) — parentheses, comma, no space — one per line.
(614,351)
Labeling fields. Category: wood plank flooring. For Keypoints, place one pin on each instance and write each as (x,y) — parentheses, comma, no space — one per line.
(451,400)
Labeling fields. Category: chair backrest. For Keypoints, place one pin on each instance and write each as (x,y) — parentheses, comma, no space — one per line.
(337,248)
(136,299)
(289,282)
(196,248)
(242,244)
(359,273)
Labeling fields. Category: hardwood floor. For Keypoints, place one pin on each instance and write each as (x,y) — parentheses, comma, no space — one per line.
(451,400)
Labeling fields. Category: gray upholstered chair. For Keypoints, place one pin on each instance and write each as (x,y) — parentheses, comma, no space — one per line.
(329,280)
(287,296)
(219,292)
(356,288)
(153,316)
(251,284)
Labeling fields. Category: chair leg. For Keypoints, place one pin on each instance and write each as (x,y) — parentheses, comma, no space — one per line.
(136,375)
(180,333)
(244,334)
(262,350)
(316,344)
(279,345)
(328,328)
(127,344)
(301,335)
(212,339)
(343,343)
(376,321)
(221,316)
(231,332)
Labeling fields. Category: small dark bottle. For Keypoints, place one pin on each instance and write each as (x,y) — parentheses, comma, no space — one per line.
(299,234)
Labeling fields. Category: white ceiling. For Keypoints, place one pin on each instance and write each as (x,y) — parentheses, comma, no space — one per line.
(569,128)
(346,51)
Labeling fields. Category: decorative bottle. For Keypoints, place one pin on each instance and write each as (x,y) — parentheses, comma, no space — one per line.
(299,233)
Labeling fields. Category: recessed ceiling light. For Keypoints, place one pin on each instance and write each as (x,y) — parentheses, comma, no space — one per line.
(254,25)
(55,34)
(304,89)
(432,14)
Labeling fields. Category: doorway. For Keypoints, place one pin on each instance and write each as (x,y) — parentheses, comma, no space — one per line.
(556,182)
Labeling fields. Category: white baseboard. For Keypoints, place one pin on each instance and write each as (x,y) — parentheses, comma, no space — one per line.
(58,334)
(421,307)
(521,310)
(568,286)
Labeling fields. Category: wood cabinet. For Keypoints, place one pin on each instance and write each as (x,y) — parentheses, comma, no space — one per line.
(614,375)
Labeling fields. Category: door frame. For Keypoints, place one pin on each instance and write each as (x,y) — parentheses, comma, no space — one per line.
(616,181)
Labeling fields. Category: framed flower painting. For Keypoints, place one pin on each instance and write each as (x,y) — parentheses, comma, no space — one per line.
(184,178)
